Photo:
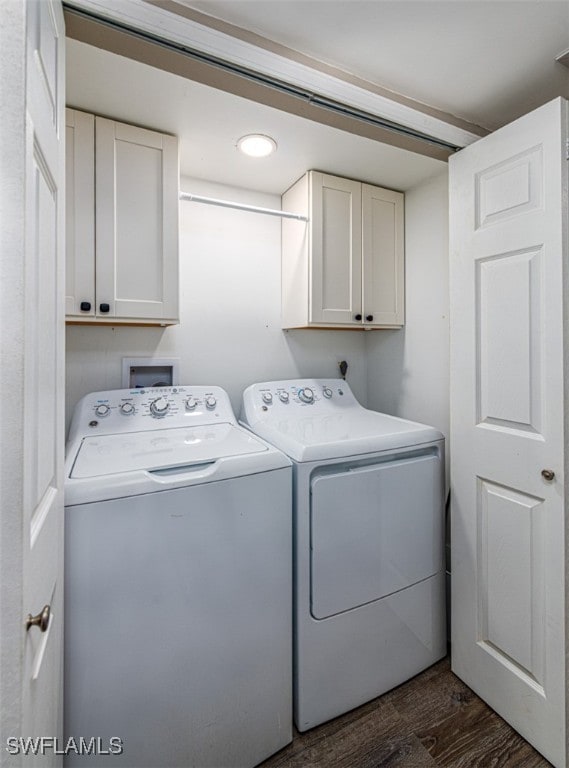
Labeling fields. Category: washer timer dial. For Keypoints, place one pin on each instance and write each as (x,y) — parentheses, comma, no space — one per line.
(306,395)
(159,407)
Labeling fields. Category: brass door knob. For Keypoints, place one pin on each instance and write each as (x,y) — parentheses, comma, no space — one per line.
(41,620)
(547,474)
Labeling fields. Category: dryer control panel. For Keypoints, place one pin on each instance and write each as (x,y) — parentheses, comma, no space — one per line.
(129,410)
(280,398)
(300,392)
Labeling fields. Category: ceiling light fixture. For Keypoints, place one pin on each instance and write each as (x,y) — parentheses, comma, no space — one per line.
(257,145)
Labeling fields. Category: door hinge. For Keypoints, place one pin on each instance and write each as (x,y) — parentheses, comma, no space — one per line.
(566,149)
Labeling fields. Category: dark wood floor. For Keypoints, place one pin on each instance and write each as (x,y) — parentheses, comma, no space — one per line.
(432,720)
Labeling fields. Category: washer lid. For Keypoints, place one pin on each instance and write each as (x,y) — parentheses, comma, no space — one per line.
(348,433)
(161,448)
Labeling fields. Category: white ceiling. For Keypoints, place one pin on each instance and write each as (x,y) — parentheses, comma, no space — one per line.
(487,61)
(209,123)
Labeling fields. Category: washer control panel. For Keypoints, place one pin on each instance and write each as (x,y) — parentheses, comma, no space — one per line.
(129,410)
(296,397)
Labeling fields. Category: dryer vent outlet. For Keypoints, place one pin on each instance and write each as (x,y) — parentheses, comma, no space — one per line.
(140,372)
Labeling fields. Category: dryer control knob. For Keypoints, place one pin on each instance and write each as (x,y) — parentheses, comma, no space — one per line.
(267,398)
(191,403)
(306,395)
(210,402)
(102,410)
(159,407)
(327,392)
(127,409)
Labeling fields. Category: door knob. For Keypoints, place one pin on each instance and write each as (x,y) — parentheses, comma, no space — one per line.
(357,317)
(547,474)
(41,620)
(369,318)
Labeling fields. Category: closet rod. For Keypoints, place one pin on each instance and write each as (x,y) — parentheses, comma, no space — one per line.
(241,206)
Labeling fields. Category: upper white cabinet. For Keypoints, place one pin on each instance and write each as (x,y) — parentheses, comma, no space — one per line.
(122,223)
(80,213)
(344,268)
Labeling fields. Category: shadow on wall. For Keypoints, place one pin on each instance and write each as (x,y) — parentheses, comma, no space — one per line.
(387,376)
(317,354)
(409,368)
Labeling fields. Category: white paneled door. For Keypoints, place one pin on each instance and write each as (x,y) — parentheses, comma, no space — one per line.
(31,431)
(43,366)
(509,296)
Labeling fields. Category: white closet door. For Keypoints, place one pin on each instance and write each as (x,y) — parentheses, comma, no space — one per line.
(336,289)
(38,476)
(508,261)
(137,222)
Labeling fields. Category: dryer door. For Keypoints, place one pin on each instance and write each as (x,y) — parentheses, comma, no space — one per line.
(375,530)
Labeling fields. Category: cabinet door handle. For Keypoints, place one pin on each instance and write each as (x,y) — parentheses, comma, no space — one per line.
(369,318)
(104,307)
(85,306)
(357,317)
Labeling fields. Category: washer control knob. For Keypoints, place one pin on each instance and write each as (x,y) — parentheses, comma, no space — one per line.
(306,395)
(102,410)
(210,402)
(327,392)
(267,398)
(127,409)
(159,407)
(283,397)
(191,403)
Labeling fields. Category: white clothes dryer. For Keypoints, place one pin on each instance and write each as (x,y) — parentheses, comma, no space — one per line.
(369,607)
(178,583)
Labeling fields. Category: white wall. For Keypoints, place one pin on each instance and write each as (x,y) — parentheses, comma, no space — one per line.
(229,332)
(408,370)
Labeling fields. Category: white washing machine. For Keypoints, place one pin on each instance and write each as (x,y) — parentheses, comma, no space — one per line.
(368,537)
(178,583)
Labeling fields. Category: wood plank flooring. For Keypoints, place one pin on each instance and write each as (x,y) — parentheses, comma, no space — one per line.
(432,720)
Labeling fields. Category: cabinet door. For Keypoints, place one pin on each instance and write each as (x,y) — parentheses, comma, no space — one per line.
(383,256)
(336,255)
(80,213)
(137,222)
